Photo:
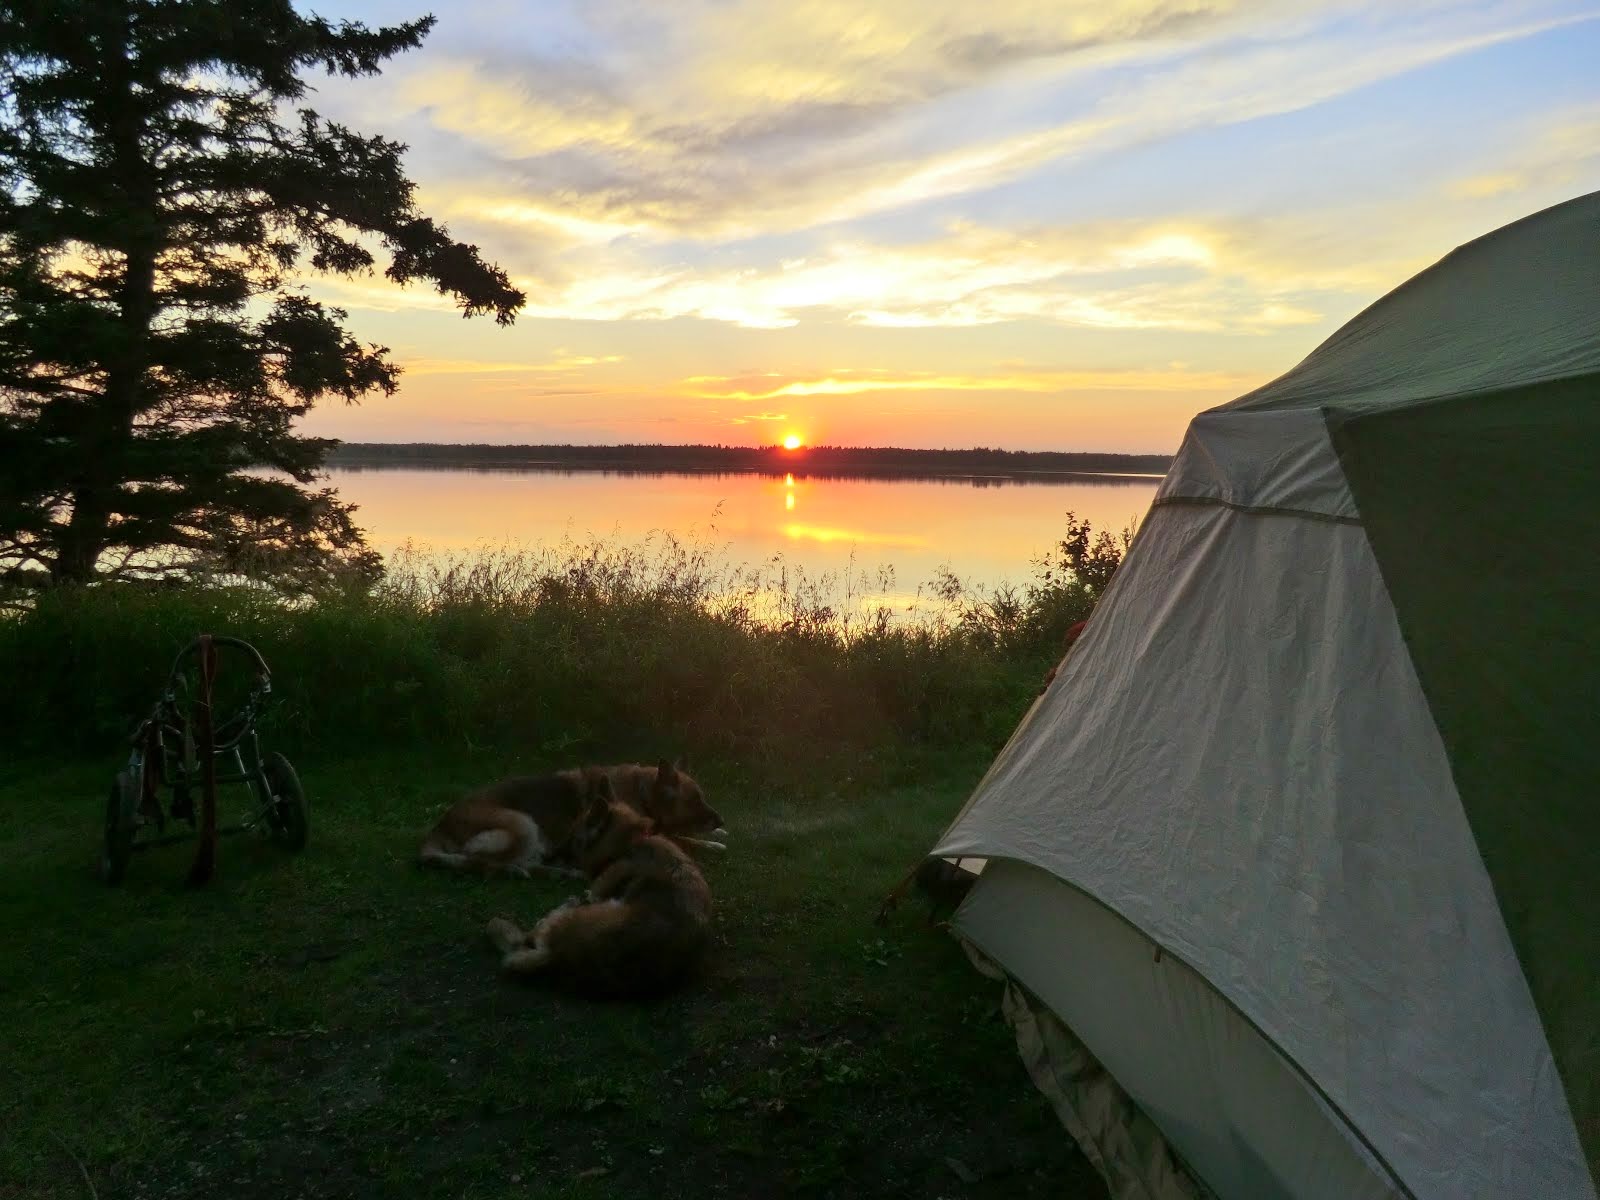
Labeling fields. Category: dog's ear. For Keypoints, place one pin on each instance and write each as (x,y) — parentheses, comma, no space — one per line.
(666,773)
(600,787)
(682,764)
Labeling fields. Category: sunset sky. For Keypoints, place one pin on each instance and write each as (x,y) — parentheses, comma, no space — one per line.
(1057,225)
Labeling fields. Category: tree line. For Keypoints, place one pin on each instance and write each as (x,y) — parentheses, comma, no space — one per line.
(865,460)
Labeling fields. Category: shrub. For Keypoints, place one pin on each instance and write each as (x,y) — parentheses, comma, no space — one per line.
(574,648)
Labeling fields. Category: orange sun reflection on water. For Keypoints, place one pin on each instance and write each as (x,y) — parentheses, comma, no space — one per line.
(986,533)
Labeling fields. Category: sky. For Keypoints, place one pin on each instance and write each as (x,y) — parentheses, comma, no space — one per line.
(1069,224)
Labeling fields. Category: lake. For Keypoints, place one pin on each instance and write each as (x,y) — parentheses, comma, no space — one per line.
(984,529)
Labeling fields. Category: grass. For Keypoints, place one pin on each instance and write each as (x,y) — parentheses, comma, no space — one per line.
(332,1023)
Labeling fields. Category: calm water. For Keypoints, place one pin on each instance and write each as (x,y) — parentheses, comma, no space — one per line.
(984,530)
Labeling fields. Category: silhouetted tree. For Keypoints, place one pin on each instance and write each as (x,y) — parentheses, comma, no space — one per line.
(160,182)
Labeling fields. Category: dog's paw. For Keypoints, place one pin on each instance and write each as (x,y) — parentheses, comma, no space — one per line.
(525,961)
(690,843)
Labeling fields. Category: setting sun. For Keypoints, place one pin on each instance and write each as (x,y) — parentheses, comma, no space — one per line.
(791,441)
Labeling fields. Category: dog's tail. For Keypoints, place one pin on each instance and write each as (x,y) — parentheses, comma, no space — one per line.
(483,839)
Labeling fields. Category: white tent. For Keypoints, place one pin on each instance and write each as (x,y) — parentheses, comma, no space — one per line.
(1300,844)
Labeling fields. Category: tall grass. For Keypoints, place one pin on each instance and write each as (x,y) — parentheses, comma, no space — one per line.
(571,649)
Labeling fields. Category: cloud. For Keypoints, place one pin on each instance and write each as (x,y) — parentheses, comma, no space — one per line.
(563,362)
(1481,187)
(626,180)
(1560,151)
(735,118)
(938,187)
(376,294)
(850,383)
(1219,276)
(713,78)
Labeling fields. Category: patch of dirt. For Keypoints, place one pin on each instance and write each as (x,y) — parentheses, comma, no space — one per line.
(821,1106)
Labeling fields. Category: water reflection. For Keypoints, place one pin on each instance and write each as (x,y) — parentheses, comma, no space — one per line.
(985,529)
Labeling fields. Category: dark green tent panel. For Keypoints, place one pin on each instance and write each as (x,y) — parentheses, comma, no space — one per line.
(1477,509)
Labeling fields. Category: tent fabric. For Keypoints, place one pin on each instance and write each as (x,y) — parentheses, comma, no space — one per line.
(1495,576)
(1520,306)
(1272,842)
(1260,462)
(1338,763)
(1250,1124)
(1123,1144)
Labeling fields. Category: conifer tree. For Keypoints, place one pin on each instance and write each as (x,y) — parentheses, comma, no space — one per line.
(164,189)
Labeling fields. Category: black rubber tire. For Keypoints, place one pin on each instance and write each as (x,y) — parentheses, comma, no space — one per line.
(287,817)
(122,823)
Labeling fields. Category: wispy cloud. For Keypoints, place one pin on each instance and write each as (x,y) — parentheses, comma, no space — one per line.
(1238,278)
(708,80)
(604,175)
(886,200)
(719,120)
(851,383)
(1557,151)
(562,363)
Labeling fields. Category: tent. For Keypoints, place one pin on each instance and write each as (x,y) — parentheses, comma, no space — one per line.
(1293,871)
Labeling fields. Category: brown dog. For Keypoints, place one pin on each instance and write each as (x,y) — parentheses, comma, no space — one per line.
(642,929)
(524,823)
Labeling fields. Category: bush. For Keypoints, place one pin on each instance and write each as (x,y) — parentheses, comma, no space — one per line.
(569,650)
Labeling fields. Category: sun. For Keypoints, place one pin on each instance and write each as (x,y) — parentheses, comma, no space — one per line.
(792,441)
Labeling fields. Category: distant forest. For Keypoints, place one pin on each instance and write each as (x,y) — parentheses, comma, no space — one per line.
(771,460)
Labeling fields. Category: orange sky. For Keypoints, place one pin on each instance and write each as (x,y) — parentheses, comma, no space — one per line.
(930,223)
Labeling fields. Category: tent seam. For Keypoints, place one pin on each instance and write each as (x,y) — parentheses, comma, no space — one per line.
(1255,510)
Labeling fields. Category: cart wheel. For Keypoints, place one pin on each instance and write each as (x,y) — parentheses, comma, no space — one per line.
(122,823)
(286,810)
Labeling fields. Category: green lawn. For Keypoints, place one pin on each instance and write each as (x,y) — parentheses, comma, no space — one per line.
(332,1024)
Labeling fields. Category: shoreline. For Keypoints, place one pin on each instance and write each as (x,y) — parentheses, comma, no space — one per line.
(975,466)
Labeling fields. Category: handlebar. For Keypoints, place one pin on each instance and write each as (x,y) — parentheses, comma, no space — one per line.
(263,675)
